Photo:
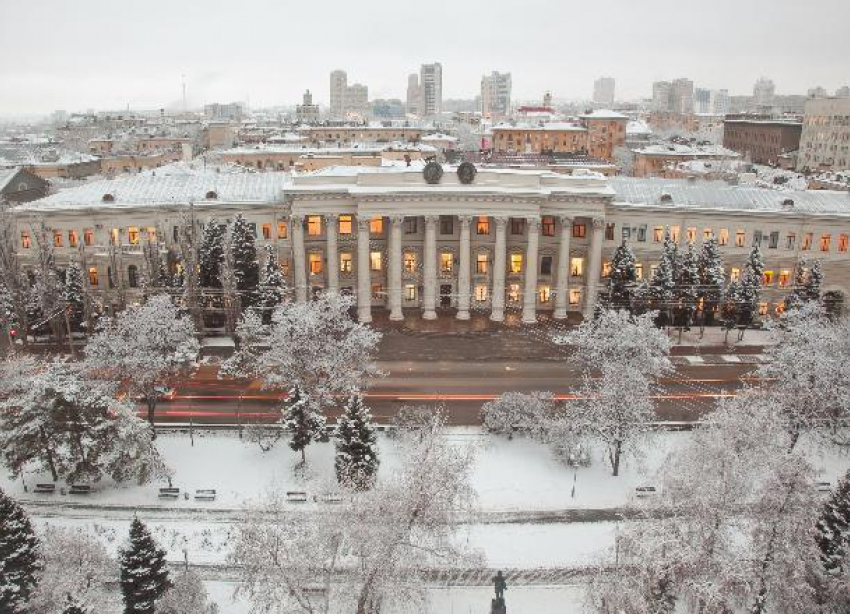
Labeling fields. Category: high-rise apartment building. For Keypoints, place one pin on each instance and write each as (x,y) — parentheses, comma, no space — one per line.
(763,92)
(825,142)
(682,96)
(346,99)
(414,94)
(661,96)
(711,102)
(603,91)
(496,94)
(431,82)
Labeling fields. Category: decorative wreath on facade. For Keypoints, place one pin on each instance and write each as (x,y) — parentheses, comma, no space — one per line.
(433,172)
(466,172)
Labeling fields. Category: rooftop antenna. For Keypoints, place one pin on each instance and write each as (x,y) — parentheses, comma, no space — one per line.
(184,92)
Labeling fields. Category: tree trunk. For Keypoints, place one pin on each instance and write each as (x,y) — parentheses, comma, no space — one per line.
(151,403)
(49,454)
(618,448)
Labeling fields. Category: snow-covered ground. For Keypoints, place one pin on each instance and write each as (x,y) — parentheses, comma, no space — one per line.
(509,475)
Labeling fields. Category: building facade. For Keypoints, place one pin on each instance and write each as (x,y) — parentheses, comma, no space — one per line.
(764,140)
(825,140)
(496,95)
(603,91)
(507,243)
(431,86)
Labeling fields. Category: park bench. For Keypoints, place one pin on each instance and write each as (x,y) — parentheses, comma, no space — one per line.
(46,489)
(296,496)
(645,491)
(169,493)
(328,498)
(80,489)
(823,486)
(205,494)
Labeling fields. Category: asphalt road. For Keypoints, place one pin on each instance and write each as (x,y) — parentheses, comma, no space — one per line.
(462,386)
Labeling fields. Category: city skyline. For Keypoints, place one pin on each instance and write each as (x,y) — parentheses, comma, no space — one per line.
(265,68)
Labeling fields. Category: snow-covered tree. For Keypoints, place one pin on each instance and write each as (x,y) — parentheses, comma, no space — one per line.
(518,412)
(20,556)
(687,286)
(416,420)
(74,295)
(711,277)
(47,292)
(74,606)
(356,461)
(76,566)
(814,282)
(245,264)
(75,428)
(314,346)
(807,373)
(621,278)
(210,254)
(302,420)
(187,595)
(751,284)
(798,291)
(372,552)
(272,285)
(12,280)
(145,348)
(144,573)
(833,529)
(662,284)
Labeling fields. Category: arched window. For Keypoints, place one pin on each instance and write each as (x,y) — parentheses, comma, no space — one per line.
(133,276)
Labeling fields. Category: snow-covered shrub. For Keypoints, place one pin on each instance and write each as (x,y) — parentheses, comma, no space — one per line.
(518,412)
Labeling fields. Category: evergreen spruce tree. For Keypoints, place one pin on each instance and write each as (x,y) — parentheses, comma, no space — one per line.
(687,286)
(210,254)
(833,529)
(662,285)
(622,277)
(814,282)
(751,283)
(73,606)
(356,460)
(245,266)
(273,287)
(711,278)
(144,574)
(74,300)
(302,422)
(20,561)
(798,292)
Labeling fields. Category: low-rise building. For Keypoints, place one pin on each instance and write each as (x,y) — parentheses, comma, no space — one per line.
(763,139)
(663,159)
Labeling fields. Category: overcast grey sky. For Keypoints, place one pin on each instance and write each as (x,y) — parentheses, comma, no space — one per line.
(106,54)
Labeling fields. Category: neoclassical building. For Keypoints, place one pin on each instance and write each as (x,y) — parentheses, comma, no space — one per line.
(401,239)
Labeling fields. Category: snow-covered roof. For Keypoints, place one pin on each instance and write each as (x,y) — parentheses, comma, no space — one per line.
(721,195)
(160,187)
(439,136)
(551,126)
(638,126)
(696,151)
(603,114)
(6,175)
(363,148)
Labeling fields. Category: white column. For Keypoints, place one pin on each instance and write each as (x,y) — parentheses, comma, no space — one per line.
(497,299)
(562,282)
(594,268)
(529,301)
(332,230)
(394,266)
(364,273)
(296,222)
(429,298)
(464,275)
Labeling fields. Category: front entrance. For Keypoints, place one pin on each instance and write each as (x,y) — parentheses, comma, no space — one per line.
(445,295)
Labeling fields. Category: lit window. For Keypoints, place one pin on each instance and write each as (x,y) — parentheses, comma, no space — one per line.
(375,261)
(345,262)
(576,267)
(658,234)
(639,270)
(545,293)
(740,238)
(723,238)
(691,234)
(516,263)
(707,234)
(345,224)
(377,292)
(57,238)
(284,266)
(579,231)
(151,234)
(513,293)
(606,268)
(281,230)
(482,227)
(113,236)
(674,234)
(734,274)
(652,269)
(842,243)
(575,297)
(93,276)
(410,262)
(784,278)
(446,261)
(315,264)
(25,239)
(763,307)
(824,243)
(410,292)
(376,226)
(267,231)
(133,235)
(73,238)
(88,236)
(547,226)
(481,263)
(767,278)
(481,293)
(314,225)
(807,241)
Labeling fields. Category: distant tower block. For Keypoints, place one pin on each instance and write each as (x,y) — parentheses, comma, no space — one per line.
(547,100)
